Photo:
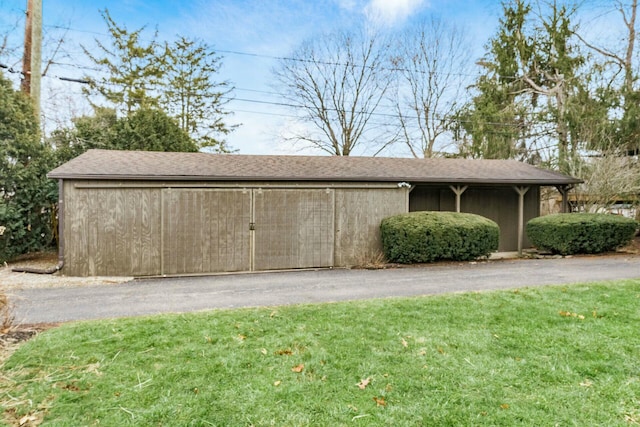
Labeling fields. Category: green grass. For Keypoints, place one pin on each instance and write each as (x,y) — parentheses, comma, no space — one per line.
(539,357)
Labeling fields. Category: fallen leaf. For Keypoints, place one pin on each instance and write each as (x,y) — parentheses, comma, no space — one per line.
(504,406)
(242,337)
(27,419)
(440,350)
(586,383)
(285,352)
(404,343)
(380,401)
(298,368)
(277,383)
(264,351)
(364,383)
(570,314)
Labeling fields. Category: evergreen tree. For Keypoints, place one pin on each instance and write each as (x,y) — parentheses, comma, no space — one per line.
(496,120)
(132,70)
(27,197)
(150,130)
(145,129)
(178,77)
(192,96)
(528,94)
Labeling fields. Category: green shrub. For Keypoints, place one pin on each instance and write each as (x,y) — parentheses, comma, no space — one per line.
(27,197)
(429,236)
(576,233)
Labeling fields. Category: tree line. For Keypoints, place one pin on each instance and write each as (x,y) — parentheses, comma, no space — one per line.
(543,92)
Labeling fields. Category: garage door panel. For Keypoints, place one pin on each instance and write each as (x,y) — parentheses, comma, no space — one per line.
(205,230)
(293,228)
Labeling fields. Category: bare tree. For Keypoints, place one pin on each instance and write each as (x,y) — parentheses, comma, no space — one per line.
(335,85)
(608,178)
(621,61)
(433,62)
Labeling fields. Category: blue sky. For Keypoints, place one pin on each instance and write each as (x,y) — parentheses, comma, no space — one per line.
(248,34)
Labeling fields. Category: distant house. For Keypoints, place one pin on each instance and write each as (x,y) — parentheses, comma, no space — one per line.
(154,214)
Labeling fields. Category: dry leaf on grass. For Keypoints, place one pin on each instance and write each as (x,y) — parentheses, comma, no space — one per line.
(380,401)
(586,383)
(363,383)
(298,368)
(570,314)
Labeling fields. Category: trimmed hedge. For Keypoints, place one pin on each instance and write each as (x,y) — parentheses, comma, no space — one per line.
(575,233)
(429,236)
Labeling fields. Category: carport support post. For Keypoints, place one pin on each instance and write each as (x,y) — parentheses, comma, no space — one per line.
(521,192)
(458,189)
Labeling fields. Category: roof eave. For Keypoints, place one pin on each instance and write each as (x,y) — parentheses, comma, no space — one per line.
(481,181)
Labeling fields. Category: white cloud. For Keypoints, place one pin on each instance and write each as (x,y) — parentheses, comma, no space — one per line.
(390,12)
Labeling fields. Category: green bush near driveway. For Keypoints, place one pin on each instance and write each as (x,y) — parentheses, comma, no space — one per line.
(576,233)
(419,237)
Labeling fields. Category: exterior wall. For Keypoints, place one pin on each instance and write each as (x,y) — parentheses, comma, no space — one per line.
(176,228)
(499,204)
(111,231)
(358,216)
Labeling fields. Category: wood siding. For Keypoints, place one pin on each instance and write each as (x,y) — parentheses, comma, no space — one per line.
(358,216)
(499,204)
(149,229)
(293,228)
(205,231)
(112,231)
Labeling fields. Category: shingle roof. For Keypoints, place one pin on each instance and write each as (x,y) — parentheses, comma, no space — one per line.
(146,165)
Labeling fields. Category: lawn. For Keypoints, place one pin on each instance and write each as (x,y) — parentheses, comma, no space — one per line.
(547,356)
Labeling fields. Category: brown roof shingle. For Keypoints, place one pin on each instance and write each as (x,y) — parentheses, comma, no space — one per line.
(146,165)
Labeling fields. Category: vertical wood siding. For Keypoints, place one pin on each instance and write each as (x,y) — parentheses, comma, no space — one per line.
(293,228)
(358,216)
(205,231)
(112,231)
(147,231)
(498,204)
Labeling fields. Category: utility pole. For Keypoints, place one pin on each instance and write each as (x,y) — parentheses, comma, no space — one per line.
(26,56)
(32,57)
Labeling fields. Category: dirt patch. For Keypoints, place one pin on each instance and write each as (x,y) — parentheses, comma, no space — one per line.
(10,280)
(21,333)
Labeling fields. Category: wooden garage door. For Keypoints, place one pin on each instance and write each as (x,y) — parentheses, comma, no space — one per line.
(206,230)
(293,228)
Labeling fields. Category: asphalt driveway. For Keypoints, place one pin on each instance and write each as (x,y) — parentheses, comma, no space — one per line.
(188,294)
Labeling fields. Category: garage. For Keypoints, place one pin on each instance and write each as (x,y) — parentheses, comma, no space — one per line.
(134,213)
